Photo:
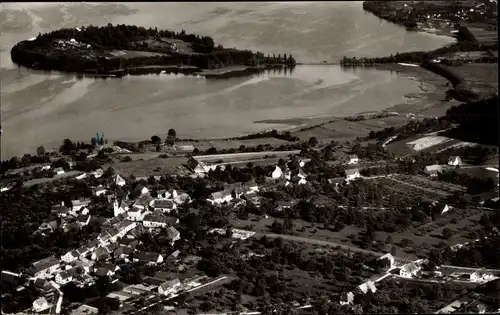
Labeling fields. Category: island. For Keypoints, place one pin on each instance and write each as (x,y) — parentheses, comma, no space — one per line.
(118,50)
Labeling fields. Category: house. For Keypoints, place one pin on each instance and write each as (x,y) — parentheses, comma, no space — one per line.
(283,206)
(170,287)
(182,197)
(196,166)
(92,245)
(302,174)
(45,167)
(441,207)
(347,298)
(60,210)
(122,252)
(41,304)
(98,173)
(120,296)
(144,202)
(161,194)
(164,205)
(46,266)
(66,276)
(351,174)
(59,171)
(220,197)
(135,214)
(83,251)
(104,237)
(79,204)
(236,188)
(83,220)
(119,207)
(99,190)
(173,234)
(149,258)
(172,194)
(101,253)
(124,227)
(353,159)
(250,187)
(81,176)
(433,170)
(409,270)
(367,286)
(84,309)
(118,180)
(277,173)
(82,263)
(297,180)
(480,276)
(173,257)
(106,270)
(142,189)
(388,257)
(70,256)
(48,226)
(454,161)
(155,221)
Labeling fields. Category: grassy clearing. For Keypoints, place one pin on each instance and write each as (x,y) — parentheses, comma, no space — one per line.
(152,167)
(131,54)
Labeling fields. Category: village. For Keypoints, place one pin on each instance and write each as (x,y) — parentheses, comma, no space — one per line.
(149,209)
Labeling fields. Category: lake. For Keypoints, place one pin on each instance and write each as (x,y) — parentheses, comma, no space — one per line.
(44,108)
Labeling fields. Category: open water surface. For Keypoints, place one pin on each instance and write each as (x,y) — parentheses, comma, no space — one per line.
(44,108)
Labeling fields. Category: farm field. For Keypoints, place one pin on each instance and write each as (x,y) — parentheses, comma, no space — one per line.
(482,77)
(130,54)
(152,167)
(228,144)
(248,156)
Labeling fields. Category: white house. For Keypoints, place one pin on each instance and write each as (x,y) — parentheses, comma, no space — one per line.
(118,180)
(480,276)
(351,174)
(454,161)
(171,194)
(433,170)
(161,194)
(40,305)
(46,167)
(66,276)
(70,256)
(78,204)
(149,258)
(277,173)
(143,189)
(353,159)
(46,266)
(164,205)
(99,190)
(98,173)
(389,257)
(220,197)
(170,287)
(135,214)
(173,234)
(409,270)
(59,171)
(81,176)
(155,221)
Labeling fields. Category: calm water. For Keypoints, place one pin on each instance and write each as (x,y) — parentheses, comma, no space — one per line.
(39,108)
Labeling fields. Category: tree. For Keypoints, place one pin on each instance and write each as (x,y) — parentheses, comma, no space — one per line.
(40,151)
(447,233)
(313,141)
(171,136)
(155,139)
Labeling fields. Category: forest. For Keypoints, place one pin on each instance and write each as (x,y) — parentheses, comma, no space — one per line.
(93,55)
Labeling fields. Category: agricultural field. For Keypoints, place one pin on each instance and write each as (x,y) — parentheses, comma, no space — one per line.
(482,77)
(235,144)
(152,167)
(131,54)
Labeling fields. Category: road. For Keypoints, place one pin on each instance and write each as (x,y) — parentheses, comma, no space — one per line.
(325,243)
(158,299)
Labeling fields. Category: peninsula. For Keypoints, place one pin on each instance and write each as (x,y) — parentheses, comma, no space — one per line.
(117,50)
